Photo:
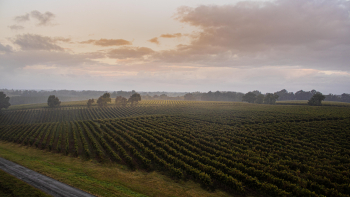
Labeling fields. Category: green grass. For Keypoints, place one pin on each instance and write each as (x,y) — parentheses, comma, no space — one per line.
(106,179)
(10,186)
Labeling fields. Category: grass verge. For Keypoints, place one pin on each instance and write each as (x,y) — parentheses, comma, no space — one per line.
(108,179)
(11,186)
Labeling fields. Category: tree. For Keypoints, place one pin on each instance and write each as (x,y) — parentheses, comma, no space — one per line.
(316,99)
(121,101)
(124,101)
(134,99)
(53,101)
(104,99)
(189,97)
(259,99)
(249,97)
(155,96)
(285,95)
(345,97)
(303,95)
(90,102)
(163,96)
(270,98)
(256,92)
(4,101)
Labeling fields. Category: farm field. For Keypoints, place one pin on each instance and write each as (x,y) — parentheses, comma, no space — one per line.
(239,148)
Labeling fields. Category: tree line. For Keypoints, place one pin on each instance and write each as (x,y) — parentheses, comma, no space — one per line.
(313,97)
(34,96)
(283,95)
(102,101)
(40,96)
(306,95)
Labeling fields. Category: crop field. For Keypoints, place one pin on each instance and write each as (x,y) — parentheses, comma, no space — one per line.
(275,150)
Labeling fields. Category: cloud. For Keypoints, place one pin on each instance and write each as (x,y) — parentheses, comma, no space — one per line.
(107,42)
(16,27)
(154,40)
(307,33)
(62,39)
(6,49)
(95,55)
(177,35)
(44,19)
(129,52)
(21,59)
(36,42)
(23,18)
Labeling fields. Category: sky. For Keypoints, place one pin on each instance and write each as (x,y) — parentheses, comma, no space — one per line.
(178,46)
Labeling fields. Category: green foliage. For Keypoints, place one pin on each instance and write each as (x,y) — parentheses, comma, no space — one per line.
(10,186)
(250,97)
(104,99)
(134,99)
(53,101)
(259,99)
(4,101)
(189,97)
(121,101)
(316,99)
(90,102)
(270,98)
(276,150)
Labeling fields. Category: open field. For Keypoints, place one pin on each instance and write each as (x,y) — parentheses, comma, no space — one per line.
(239,148)
(304,102)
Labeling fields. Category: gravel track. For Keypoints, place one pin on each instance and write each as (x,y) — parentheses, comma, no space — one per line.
(42,182)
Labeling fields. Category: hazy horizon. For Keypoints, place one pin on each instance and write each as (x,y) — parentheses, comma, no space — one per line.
(176,46)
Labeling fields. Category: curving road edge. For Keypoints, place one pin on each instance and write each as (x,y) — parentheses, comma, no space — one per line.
(42,182)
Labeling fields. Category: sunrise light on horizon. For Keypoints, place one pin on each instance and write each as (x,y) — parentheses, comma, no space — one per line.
(179,46)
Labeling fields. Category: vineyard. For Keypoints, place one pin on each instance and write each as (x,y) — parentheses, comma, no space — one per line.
(237,147)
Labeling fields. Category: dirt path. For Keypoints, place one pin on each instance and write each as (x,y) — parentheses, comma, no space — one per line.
(42,182)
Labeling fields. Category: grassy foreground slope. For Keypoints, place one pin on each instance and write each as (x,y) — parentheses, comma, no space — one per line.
(101,179)
(10,186)
(240,148)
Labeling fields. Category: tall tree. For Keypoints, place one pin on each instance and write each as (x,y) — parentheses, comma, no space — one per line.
(121,101)
(345,98)
(189,97)
(163,96)
(249,97)
(4,101)
(53,101)
(285,95)
(90,102)
(134,99)
(104,99)
(259,99)
(270,98)
(316,99)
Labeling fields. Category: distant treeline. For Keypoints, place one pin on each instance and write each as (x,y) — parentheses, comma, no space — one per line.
(33,96)
(283,96)
(306,95)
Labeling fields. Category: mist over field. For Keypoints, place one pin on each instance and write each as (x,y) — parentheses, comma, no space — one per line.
(175,98)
